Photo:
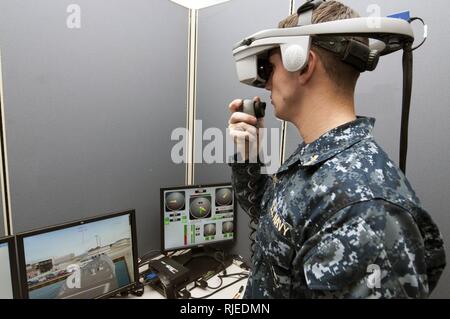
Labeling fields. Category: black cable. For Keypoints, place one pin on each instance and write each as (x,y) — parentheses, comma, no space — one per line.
(240,274)
(220,285)
(406,103)
(252,224)
(425,36)
(147,257)
(221,260)
(206,284)
(144,259)
(201,283)
(407,92)
(252,212)
(186,292)
(224,287)
(244,273)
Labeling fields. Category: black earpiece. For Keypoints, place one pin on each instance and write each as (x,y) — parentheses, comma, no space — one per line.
(352,52)
(360,56)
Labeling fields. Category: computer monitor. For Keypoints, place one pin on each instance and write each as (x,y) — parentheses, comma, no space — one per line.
(9,284)
(88,259)
(197,216)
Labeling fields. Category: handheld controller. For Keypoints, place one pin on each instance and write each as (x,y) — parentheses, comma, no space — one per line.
(255,108)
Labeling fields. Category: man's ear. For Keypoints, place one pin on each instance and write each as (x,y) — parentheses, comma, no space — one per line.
(307,73)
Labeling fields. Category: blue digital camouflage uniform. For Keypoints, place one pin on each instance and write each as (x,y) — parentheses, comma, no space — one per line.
(339,220)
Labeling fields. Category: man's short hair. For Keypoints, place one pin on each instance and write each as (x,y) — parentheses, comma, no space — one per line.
(342,74)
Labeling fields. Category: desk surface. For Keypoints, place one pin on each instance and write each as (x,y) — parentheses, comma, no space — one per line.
(227,293)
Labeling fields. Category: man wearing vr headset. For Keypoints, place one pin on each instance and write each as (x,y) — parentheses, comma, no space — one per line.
(338,219)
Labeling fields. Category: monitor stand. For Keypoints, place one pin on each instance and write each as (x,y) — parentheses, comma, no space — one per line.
(202,263)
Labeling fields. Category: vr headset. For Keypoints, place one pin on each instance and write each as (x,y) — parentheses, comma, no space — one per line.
(388,35)
(251,54)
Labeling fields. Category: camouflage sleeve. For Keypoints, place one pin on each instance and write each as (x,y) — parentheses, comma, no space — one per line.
(371,249)
(248,184)
(434,246)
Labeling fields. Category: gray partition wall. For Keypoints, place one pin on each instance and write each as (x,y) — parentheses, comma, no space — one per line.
(3,213)
(379,94)
(90,111)
(219,28)
(2,223)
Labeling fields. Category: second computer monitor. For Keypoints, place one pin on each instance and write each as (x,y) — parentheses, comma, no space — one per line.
(196,216)
(9,286)
(91,258)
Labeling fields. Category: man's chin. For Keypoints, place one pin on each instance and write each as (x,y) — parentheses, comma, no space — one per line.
(279,115)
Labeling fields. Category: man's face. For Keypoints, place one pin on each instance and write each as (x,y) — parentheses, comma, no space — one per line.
(283,86)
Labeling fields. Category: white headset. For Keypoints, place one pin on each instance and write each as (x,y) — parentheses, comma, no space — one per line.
(388,35)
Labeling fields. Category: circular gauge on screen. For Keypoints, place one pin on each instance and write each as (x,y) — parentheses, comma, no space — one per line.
(209,230)
(227,227)
(200,207)
(174,201)
(224,197)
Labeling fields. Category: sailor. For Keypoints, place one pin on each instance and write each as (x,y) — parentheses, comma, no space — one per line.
(339,219)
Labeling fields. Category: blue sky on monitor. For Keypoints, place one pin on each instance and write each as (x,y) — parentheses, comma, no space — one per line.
(76,239)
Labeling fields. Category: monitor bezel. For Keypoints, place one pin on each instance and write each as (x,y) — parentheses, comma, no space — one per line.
(15,283)
(211,244)
(21,252)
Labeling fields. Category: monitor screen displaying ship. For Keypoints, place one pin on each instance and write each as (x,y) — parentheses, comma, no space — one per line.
(83,261)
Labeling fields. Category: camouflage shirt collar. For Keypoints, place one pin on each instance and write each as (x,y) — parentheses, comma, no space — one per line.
(331,143)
